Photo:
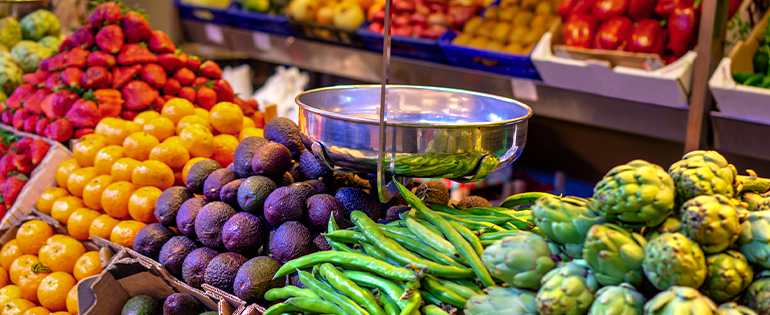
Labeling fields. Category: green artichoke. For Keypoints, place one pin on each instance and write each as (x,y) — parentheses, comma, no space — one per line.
(51,42)
(762,204)
(727,275)
(10,73)
(505,301)
(29,54)
(635,194)
(733,308)
(39,24)
(703,173)
(614,254)
(754,239)
(565,221)
(671,225)
(520,260)
(711,221)
(622,299)
(680,301)
(674,260)
(752,200)
(758,295)
(10,32)
(567,290)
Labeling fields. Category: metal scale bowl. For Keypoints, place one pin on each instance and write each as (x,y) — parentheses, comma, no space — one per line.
(411,131)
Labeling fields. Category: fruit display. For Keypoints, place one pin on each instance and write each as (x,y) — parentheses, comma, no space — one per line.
(423,18)
(277,7)
(174,304)
(20,156)
(213,4)
(345,15)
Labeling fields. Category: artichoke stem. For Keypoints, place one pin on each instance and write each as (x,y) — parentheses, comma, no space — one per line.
(752,183)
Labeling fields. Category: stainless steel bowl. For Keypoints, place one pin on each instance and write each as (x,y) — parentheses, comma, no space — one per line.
(18,9)
(430,132)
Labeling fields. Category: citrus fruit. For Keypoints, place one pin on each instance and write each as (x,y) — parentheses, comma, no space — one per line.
(197,140)
(226,118)
(53,291)
(86,148)
(87,265)
(24,262)
(17,306)
(106,157)
(123,234)
(115,199)
(172,154)
(72,300)
(29,281)
(37,310)
(61,254)
(249,132)
(153,173)
(138,145)
(78,180)
(32,235)
(200,111)
(80,221)
(9,253)
(192,119)
(9,292)
(160,127)
(174,139)
(92,193)
(176,108)
(141,205)
(123,168)
(224,149)
(115,130)
(248,122)
(146,116)
(5,279)
(65,169)
(63,207)
(189,165)
(102,226)
(48,196)
(62,313)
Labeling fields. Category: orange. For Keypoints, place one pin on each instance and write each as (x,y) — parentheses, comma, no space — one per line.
(141,205)
(115,199)
(86,148)
(17,306)
(153,173)
(5,279)
(9,253)
(54,289)
(62,313)
(146,116)
(106,157)
(32,235)
(61,254)
(123,168)
(87,265)
(123,234)
(48,196)
(115,130)
(9,292)
(102,226)
(176,108)
(160,127)
(24,262)
(202,112)
(197,140)
(173,139)
(192,119)
(248,122)
(138,145)
(63,208)
(249,132)
(172,154)
(37,310)
(189,165)
(29,282)
(72,300)
(65,169)
(92,193)
(226,118)
(224,149)
(78,180)
(80,221)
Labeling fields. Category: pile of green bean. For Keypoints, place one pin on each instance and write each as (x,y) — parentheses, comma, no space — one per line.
(428,262)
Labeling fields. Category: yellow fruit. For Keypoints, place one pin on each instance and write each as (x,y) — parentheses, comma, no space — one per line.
(62,313)
(189,165)
(250,132)
(5,279)
(176,108)
(61,254)
(192,119)
(123,234)
(48,196)
(138,145)
(102,226)
(9,292)
(174,139)
(63,208)
(29,281)
(65,169)
(123,168)
(79,179)
(17,306)
(197,140)
(90,264)
(86,148)
(106,157)
(80,221)
(224,149)
(153,173)
(72,300)
(226,118)
(32,235)
(160,127)
(141,205)
(92,193)
(54,289)
(248,123)
(172,154)
(115,199)
(202,112)
(38,310)
(21,264)
(115,130)
(9,253)
(146,116)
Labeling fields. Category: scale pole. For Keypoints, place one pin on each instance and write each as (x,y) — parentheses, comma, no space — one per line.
(381,181)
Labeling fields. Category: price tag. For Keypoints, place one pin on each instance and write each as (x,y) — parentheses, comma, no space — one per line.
(261,41)
(524,90)
(214,33)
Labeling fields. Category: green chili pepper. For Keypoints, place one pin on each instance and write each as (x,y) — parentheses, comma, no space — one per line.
(347,287)
(288,292)
(350,260)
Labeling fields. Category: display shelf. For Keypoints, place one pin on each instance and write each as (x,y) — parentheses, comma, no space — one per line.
(741,136)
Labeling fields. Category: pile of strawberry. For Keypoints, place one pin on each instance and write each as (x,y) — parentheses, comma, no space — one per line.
(19,157)
(113,66)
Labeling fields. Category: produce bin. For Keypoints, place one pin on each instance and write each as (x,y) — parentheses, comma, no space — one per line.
(203,14)
(503,63)
(325,33)
(207,33)
(410,47)
(256,21)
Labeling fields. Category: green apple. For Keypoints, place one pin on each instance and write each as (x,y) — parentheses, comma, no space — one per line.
(302,10)
(258,5)
(348,15)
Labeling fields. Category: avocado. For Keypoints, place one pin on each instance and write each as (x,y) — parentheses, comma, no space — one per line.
(150,239)
(210,313)
(304,189)
(474,201)
(232,168)
(291,240)
(195,264)
(173,253)
(221,271)
(244,153)
(319,210)
(141,305)
(355,199)
(284,180)
(229,193)
(253,192)
(285,132)
(433,190)
(216,181)
(296,174)
(210,221)
(255,278)
(320,242)
(198,173)
(319,186)
(271,160)
(310,166)
(394,212)
(182,304)
(185,218)
(167,205)
(284,204)
(340,180)
(244,233)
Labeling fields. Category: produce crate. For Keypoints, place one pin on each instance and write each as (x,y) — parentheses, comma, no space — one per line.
(203,14)
(503,63)
(256,21)
(325,33)
(410,47)
(209,34)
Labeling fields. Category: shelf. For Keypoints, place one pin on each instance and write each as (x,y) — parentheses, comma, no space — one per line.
(741,136)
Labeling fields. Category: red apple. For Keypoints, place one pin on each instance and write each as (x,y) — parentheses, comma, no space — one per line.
(418,30)
(434,31)
(376,12)
(401,20)
(376,27)
(438,19)
(403,6)
(422,9)
(404,30)
(461,14)
(418,19)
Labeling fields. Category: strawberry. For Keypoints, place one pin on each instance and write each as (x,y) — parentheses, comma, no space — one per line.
(6,163)
(59,130)
(84,114)
(39,77)
(138,95)
(252,103)
(199,81)
(40,126)
(245,106)
(19,116)
(136,27)
(43,65)
(211,70)
(188,93)
(96,78)
(206,97)
(154,75)
(172,62)
(38,150)
(193,63)
(7,117)
(57,104)
(110,39)
(184,76)
(129,114)
(67,44)
(77,57)
(168,97)
(28,78)
(259,119)
(160,43)
(84,37)
(3,208)
(53,81)
(80,133)
(110,102)
(121,75)
(224,91)
(23,163)
(158,103)
(171,87)
(23,144)
(71,77)
(34,103)
(134,53)
(58,62)
(13,187)
(20,94)
(29,123)
(100,58)
(106,13)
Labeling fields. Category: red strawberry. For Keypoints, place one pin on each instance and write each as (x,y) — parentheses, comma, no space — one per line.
(23,163)
(158,103)
(83,132)
(67,44)
(53,81)
(43,65)
(57,104)
(188,93)
(160,43)
(7,117)
(3,208)
(199,81)
(121,75)
(138,95)
(60,130)
(6,163)
(168,97)
(136,27)
(84,114)
(23,144)
(110,102)
(211,70)
(172,62)
(134,53)
(35,102)
(13,187)
(29,123)
(259,119)
(206,97)
(129,114)
(40,125)
(37,150)
(193,63)
(77,57)
(100,58)
(184,76)
(39,77)
(172,87)
(84,36)
(96,78)
(246,106)
(28,78)
(154,75)
(58,62)
(110,39)
(106,13)
(224,91)
(19,116)
(20,94)
(71,77)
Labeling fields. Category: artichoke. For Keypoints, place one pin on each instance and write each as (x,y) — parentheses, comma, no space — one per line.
(762,204)
(565,221)
(29,54)
(635,194)
(758,295)
(727,275)
(703,173)
(569,289)
(51,42)
(39,24)
(10,73)
(733,308)
(10,32)
(711,221)
(614,254)
(622,299)
(520,260)
(680,301)
(754,239)
(674,260)
(671,225)
(752,201)
(508,301)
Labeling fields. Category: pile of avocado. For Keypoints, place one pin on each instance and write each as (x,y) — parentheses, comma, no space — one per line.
(760,77)
(175,304)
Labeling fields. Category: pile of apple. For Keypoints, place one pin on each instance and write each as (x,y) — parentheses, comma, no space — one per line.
(19,156)
(423,18)
(346,15)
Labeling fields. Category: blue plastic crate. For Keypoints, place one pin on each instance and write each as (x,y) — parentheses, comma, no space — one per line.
(467,57)
(208,15)
(419,48)
(256,21)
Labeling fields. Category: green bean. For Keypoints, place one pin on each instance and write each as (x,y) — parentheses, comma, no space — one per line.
(289,292)
(331,227)
(373,251)
(436,241)
(470,211)
(347,287)
(427,225)
(394,250)
(527,198)
(398,230)
(394,223)
(316,306)
(433,310)
(351,260)
(498,235)
(430,298)
(469,236)
(460,290)
(463,247)
(490,219)
(426,251)
(470,284)
(389,288)
(412,297)
(442,293)
(473,225)
(327,293)
(390,307)
(281,308)
(346,236)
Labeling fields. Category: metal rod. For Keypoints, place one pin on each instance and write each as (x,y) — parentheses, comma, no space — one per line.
(381,180)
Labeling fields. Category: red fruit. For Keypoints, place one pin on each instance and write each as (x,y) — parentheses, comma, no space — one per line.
(13,187)
(110,102)
(23,163)
(206,97)
(6,163)
(84,114)
(199,81)
(100,58)
(138,95)
(67,44)
(57,104)
(58,62)
(84,37)
(188,93)
(7,117)
(121,75)
(71,77)
(105,13)
(134,53)
(252,105)
(20,94)
(77,57)
(193,63)
(37,150)
(184,76)
(23,144)
(29,123)
(158,103)
(28,78)
(35,102)
(3,209)
(44,64)
(41,125)
(154,75)
(129,114)
(19,116)
(83,132)
(96,78)
(136,27)
(224,91)
(172,62)
(160,43)
(172,87)
(60,130)
(39,77)
(53,81)
(168,97)
(110,39)
(259,119)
